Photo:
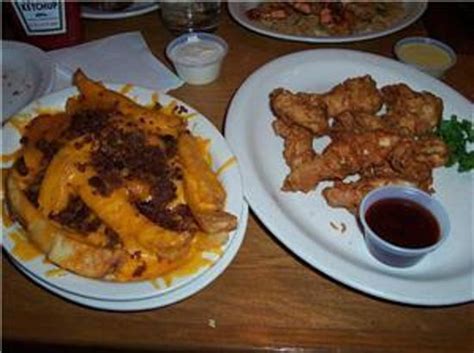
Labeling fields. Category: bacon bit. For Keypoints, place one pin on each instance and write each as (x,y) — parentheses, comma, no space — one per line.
(139,270)
(136,255)
(99,185)
(81,167)
(113,239)
(77,216)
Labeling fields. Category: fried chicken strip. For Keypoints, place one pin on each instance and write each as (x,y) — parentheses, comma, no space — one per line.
(347,154)
(410,163)
(415,159)
(306,110)
(413,112)
(357,122)
(298,145)
(350,195)
(357,94)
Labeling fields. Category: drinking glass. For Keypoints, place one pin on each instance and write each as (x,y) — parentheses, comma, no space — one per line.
(190,16)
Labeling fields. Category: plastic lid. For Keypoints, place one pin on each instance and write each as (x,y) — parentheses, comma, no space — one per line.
(197,49)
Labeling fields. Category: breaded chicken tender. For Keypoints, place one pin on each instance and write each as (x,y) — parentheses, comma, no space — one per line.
(415,159)
(357,94)
(393,147)
(298,143)
(306,110)
(350,195)
(347,154)
(410,111)
(357,122)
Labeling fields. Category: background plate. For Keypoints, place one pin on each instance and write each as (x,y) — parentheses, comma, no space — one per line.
(136,9)
(102,290)
(413,11)
(27,74)
(302,221)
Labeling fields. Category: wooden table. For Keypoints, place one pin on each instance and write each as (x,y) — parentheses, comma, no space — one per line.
(267,299)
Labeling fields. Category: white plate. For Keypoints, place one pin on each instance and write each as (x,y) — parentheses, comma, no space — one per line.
(413,10)
(136,9)
(27,74)
(302,221)
(102,290)
(162,300)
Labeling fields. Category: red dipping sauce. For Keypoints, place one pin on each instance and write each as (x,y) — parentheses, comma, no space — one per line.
(403,223)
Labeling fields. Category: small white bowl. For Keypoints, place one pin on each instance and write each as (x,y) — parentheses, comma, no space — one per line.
(426,54)
(394,255)
(197,57)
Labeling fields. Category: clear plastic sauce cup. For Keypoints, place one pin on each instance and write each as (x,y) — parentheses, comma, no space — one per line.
(197,57)
(426,54)
(409,251)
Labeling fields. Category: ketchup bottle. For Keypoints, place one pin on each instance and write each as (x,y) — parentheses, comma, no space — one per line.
(46,24)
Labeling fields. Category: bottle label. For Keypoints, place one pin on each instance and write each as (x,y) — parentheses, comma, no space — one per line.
(41,17)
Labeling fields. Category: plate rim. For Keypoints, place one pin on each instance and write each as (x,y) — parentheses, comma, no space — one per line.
(133,90)
(253,189)
(112,15)
(235,14)
(155,302)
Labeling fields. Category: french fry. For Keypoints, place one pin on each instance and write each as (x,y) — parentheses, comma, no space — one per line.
(203,192)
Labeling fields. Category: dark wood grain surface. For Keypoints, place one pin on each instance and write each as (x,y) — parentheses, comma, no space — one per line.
(267,299)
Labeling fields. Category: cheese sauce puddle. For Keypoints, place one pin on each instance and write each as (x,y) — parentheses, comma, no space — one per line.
(23,249)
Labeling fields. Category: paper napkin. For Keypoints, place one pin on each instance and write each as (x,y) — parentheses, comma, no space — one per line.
(122,58)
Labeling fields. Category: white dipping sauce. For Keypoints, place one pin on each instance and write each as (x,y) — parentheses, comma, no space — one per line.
(197,57)
(197,52)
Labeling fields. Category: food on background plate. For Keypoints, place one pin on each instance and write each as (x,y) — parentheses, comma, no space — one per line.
(367,148)
(326,18)
(114,190)
(108,5)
